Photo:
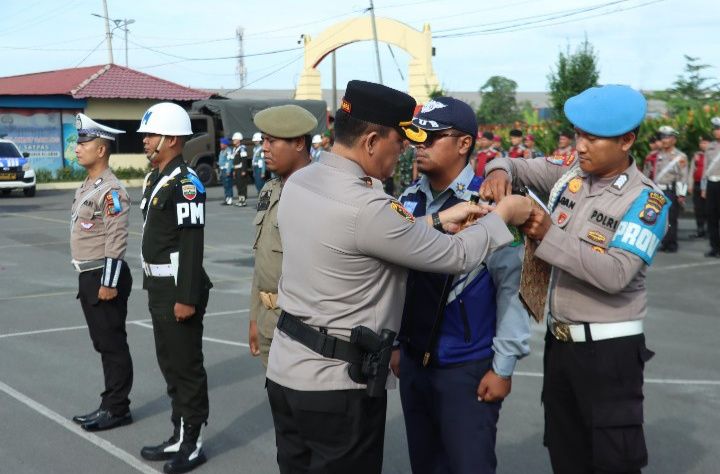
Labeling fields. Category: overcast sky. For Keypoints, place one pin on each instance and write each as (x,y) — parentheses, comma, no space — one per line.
(638,42)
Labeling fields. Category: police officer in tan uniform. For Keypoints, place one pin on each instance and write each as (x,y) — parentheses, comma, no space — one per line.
(710,189)
(346,245)
(98,240)
(670,173)
(286,146)
(606,222)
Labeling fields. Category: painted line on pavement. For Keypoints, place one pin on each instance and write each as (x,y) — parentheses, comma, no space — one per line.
(209,339)
(134,321)
(101,443)
(651,380)
(38,295)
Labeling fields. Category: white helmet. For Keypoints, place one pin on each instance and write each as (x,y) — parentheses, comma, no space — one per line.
(237,136)
(257,137)
(316,139)
(166,118)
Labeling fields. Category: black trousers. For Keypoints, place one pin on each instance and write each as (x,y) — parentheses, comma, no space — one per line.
(324,432)
(670,240)
(712,202)
(698,207)
(178,346)
(106,323)
(593,399)
(242,182)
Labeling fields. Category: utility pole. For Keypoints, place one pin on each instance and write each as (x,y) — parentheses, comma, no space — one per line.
(334,84)
(241,69)
(377,49)
(125,22)
(108,34)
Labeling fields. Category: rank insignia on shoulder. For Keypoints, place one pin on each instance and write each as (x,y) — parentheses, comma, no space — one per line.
(598,249)
(367,180)
(575,184)
(397,207)
(460,187)
(620,181)
(555,160)
(569,159)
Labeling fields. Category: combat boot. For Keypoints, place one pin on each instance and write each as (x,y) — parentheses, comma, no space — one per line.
(168,449)
(190,455)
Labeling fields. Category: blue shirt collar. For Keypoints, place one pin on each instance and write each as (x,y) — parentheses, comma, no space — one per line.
(459,186)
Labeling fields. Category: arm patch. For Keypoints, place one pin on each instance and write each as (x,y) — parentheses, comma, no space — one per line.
(643,227)
(189,202)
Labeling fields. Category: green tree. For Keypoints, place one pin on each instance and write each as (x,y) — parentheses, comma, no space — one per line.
(498,105)
(438,92)
(690,90)
(573,73)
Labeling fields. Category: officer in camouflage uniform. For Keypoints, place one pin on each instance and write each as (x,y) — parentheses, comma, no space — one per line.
(173,207)
(286,147)
(98,240)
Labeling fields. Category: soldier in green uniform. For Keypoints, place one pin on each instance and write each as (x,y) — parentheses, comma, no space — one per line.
(173,207)
(286,146)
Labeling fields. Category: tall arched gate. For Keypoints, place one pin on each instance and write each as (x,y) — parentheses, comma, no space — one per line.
(421,78)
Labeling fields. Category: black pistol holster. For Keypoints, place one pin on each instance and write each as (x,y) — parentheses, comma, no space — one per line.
(367,352)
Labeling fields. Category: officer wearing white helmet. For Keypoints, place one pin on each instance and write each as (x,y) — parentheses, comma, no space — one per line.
(241,167)
(316,148)
(258,162)
(173,207)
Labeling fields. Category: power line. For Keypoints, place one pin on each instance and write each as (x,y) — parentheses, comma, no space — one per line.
(218,58)
(91,51)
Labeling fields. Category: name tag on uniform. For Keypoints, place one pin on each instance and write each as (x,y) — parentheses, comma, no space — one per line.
(264,201)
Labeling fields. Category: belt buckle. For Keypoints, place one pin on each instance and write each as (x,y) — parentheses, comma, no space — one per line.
(561,331)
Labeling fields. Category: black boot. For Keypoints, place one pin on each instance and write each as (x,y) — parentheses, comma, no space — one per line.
(166,450)
(190,455)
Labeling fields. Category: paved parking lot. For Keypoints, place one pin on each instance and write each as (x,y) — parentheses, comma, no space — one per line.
(49,371)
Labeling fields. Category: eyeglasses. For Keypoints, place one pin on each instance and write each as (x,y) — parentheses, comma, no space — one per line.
(432,137)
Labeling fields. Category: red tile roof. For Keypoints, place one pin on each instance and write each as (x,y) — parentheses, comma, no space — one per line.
(99,82)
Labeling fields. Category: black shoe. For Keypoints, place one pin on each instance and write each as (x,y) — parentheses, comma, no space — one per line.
(107,421)
(80,419)
(713,254)
(190,455)
(164,451)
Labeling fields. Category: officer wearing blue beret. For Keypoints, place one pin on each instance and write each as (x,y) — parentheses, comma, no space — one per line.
(605,224)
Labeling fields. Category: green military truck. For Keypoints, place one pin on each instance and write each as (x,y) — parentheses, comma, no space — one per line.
(213,119)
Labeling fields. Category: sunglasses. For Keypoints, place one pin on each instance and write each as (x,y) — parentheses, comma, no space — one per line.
(432,137)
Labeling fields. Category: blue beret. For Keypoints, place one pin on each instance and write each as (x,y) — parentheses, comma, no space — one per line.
(606,111)
(224,141)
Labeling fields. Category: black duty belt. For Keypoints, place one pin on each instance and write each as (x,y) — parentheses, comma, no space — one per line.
(317,340)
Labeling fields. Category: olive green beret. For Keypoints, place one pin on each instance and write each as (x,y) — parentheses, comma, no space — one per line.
(285,121)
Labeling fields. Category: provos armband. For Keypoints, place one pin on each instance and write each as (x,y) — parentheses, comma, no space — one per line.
(643,227)
(111,272)
(190,202)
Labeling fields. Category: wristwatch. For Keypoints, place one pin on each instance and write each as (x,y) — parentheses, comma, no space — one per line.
(436,222)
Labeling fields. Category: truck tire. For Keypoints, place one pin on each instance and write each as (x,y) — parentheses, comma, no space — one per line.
(206,173)
(6,192)
(29,192)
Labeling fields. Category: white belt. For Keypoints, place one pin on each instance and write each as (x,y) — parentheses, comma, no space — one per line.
(714,178)
(666,187)
(598,331)
(158,270)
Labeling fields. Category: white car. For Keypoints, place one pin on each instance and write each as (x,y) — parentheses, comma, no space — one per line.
(15,170)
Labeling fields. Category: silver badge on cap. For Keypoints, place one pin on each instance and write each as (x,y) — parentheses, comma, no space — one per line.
(78,122)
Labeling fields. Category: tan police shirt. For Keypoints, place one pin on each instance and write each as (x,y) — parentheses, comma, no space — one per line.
(268,258)
(671,169)
(712,165)
(592,280)
(99,219)
(346,247)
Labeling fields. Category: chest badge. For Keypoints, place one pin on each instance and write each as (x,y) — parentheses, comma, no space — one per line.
(562,217)
(596,236)
(86,225)
(575,184)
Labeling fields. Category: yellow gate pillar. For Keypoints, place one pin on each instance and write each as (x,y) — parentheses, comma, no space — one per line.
(421,78)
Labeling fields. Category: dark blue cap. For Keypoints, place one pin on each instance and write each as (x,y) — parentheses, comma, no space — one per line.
(447,112)
(607,111)
(224,141)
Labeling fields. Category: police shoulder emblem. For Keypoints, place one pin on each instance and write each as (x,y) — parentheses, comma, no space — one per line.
(652,207)
(397,207)
(189,191)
